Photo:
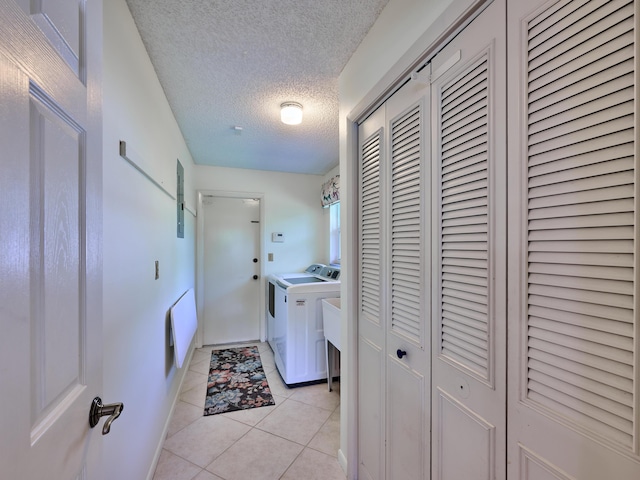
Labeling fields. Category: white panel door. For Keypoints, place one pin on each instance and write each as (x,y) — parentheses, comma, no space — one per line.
(407,284)
(50,231)
(574,378)
(469,239)
(393,348)
(371,304)
(231,270)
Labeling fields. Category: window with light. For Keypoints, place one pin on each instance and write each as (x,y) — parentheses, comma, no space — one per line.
(334,233)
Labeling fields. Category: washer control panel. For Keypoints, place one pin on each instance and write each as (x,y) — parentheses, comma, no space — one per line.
(330,273)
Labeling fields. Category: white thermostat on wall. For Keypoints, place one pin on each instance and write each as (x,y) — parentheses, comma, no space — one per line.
(277,237)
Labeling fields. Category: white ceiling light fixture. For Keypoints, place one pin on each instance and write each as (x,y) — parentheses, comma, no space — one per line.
(291,113)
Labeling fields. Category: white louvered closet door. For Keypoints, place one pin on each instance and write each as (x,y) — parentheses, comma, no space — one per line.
(574,363)
(371,318)
(408,244)
(469,252)
(393,320)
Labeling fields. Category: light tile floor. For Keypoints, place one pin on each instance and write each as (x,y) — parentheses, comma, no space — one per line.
(296,438)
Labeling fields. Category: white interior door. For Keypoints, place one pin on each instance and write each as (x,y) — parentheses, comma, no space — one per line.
(371,326)
(574,395)
(50,225)
(408,244)
(231,270)
(469,299)
(393,323)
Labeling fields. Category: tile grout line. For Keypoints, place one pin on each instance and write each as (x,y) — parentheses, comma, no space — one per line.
(291,464)
(181,458)
(223,452)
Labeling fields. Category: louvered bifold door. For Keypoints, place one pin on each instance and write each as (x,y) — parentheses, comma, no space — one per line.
(469,306)
(407,208)
(371,319)
(407,250)
(575,328)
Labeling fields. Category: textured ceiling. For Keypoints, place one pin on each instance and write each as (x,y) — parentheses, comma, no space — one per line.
(227,63)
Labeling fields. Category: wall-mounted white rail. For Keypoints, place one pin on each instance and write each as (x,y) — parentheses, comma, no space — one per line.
(133,158)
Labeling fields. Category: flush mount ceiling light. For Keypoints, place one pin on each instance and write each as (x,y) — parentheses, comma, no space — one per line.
(291,113)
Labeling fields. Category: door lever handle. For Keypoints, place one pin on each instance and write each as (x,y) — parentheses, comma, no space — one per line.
(98,410)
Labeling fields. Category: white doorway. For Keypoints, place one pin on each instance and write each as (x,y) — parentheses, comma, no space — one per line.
(231,268)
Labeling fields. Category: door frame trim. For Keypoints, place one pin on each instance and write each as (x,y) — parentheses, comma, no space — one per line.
(200,258)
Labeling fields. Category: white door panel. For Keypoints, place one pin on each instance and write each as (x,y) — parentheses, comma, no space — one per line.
(469,306)
(393,322)
(231,299)
(408,282)
(371,326)
(371,418)
(50,260)
(465,442)
(62,22)
(573,384)
(407,420)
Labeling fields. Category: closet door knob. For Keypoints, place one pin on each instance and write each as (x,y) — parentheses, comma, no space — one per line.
(400,353)
(255,277)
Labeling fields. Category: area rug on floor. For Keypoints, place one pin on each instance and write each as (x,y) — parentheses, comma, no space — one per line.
(236,381)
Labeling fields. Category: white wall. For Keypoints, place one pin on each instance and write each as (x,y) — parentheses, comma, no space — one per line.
(140,228)
(404,29)
(139,220)
(399,26)
(291,205)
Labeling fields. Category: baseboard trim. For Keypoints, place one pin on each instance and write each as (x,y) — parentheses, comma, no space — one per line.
(342,460)
(163,437)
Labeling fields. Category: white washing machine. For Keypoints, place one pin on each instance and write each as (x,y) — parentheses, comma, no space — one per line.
(294,326)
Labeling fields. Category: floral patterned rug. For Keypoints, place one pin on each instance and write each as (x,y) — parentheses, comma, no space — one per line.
(236,381)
